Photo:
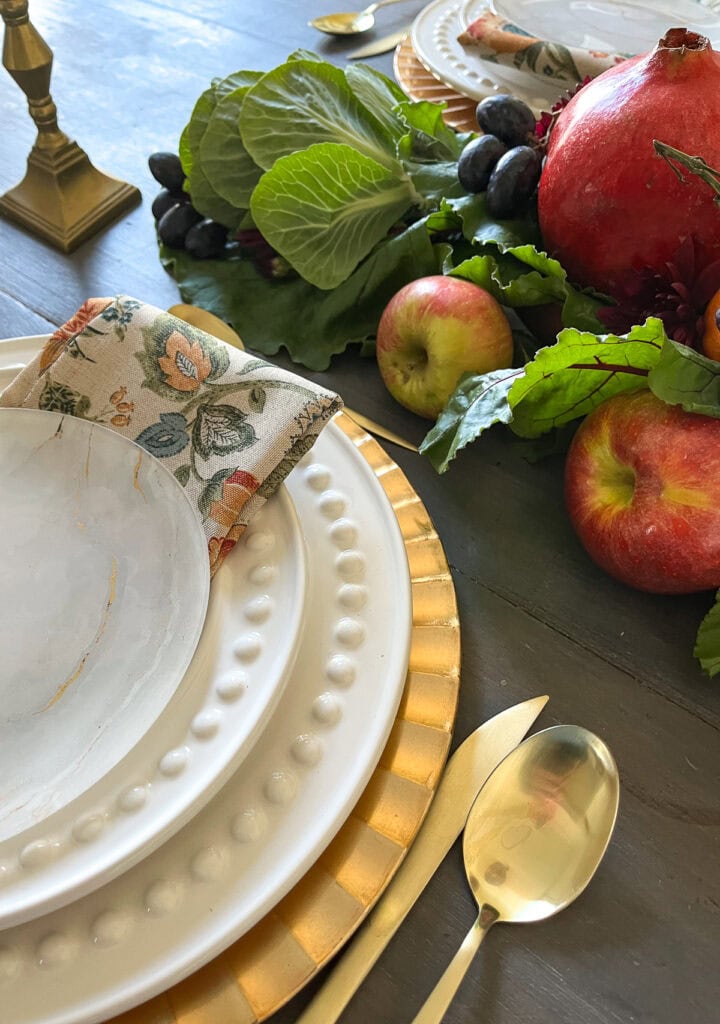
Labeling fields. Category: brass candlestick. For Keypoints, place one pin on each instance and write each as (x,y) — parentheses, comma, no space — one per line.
(62,197)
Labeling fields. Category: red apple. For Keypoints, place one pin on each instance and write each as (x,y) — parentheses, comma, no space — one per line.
(642,486)
(434,330)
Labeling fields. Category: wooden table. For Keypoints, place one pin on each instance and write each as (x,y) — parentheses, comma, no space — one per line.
(641,944)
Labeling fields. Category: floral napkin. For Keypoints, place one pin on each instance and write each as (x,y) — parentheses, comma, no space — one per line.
(499,41)
(230,427)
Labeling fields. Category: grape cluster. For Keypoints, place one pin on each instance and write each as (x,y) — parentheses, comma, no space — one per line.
(504,162)
(179,225)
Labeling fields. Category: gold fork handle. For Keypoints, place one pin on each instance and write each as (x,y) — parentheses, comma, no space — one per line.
(434,1008)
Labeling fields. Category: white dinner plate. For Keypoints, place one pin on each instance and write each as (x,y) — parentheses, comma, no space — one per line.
(617,26)
(434,37)
(213,880)
(181,755)
(103,595)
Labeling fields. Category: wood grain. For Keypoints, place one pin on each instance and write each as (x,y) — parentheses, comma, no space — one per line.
(641,944)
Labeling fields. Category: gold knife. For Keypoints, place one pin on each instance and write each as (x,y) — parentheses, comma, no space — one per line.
(379,45)
(465,773)
(376,428)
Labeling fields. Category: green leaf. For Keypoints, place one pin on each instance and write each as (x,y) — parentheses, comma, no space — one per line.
(325,208)
(379,94)
(220,430)
(313,325)
(301,54)
(684,377)
(428,137)
(468,215)
(195,129)
(226,163)
(707,643)
(182,474)
(521,275)
(204,196)
(478,402)
(569,379)
(303,102)
(435,181)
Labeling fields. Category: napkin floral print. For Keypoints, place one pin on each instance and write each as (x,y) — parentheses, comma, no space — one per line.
(501,42)
(229,426)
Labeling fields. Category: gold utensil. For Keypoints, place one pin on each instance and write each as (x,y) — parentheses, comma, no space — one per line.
(350,23)
(466,771)
(378,430)
(534,839)
(383,45)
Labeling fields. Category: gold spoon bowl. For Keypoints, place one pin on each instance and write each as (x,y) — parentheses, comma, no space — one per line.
(534,838)
(350,23)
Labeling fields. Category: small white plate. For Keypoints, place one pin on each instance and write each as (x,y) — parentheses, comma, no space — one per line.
(434,37)
(103,591)
(235,860)
(617,26)
(241,663)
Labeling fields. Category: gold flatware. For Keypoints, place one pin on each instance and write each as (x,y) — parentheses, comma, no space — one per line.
(535,837)
(350,23)
(383,45)
(465,773)
(378,430)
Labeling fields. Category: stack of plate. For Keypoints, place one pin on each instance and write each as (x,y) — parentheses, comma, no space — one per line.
(431,64)
(176,755)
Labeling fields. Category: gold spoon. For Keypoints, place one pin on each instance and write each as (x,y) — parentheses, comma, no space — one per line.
(534,838)
(350,23)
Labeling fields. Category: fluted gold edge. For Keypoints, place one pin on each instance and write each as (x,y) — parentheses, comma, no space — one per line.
(275,959)
(420,84)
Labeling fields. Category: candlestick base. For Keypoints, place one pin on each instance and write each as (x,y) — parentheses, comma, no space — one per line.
(64,199)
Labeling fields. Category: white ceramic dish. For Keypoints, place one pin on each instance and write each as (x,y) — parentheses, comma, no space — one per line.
(225,870)
(103,591)
(617,26)
(434,38)
(179,760)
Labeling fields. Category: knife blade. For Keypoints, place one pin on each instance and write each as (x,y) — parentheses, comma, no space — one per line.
(379,45)
(465,773)
(376,428)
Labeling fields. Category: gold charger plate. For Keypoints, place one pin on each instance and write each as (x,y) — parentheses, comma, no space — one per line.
(275,959)
(420,84)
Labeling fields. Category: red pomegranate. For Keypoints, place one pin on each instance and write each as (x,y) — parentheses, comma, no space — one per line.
(607,202)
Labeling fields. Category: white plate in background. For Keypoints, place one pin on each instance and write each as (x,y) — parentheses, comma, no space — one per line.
(617,26)
(434,37)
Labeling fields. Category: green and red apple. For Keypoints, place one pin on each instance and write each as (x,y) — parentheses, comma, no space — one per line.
(642,487)
(433,331)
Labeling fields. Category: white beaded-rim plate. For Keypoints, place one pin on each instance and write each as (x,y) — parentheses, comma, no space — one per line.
(620,26)
(103,592)
(434,37)
(241,663)
(235,860)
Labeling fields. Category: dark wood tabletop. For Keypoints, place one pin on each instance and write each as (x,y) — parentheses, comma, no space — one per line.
(641,944)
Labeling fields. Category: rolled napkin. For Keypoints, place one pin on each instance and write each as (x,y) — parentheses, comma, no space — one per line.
(229,426)
(501,42)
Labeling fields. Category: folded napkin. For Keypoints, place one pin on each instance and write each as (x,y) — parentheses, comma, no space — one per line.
(501,42)
(229,426)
